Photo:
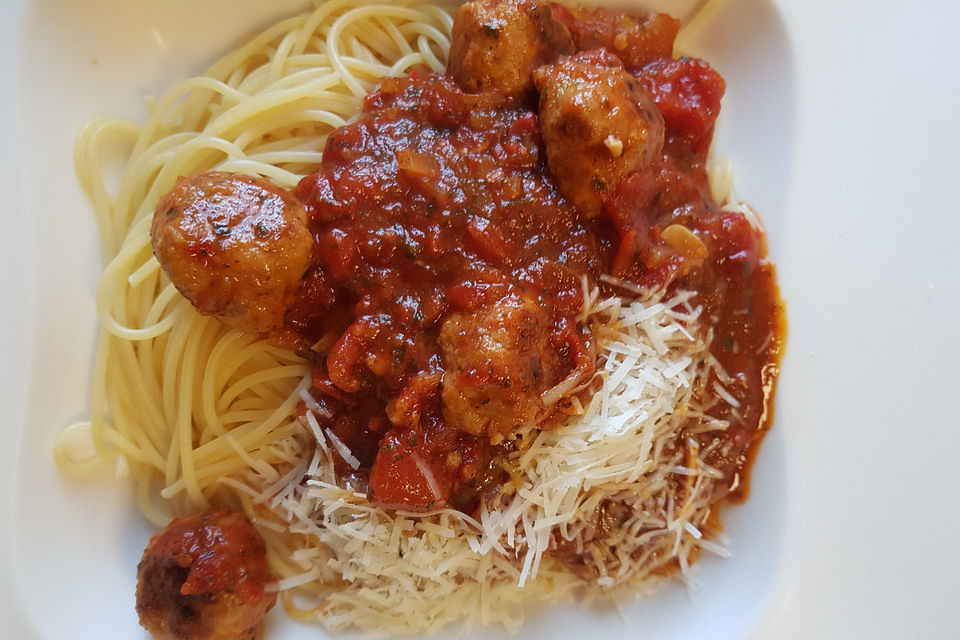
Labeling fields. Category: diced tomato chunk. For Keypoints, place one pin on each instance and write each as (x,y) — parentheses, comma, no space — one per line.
(636,37)
(488,240)
(406,475)
(687,92)
(476,293)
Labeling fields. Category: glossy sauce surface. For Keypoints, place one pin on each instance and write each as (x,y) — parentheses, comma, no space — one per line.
(221,550)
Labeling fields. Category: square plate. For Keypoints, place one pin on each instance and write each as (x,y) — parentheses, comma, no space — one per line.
(841,124)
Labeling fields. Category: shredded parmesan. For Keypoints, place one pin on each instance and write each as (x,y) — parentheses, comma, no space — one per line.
(623,456)
(312,404)
(342,449)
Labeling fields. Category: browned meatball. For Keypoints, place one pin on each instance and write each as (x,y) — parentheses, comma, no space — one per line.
(234,246)
(204,578)
(598,125)
(496,45)
(499,361)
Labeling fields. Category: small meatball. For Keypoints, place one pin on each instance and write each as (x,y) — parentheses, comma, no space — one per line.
(204,578)
(234,246)
(598,125)
(496,45)
(499,361)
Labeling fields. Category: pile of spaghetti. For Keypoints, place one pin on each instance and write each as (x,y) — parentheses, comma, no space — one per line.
(619,495)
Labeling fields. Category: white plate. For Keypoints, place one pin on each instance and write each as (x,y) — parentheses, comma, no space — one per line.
(842,123)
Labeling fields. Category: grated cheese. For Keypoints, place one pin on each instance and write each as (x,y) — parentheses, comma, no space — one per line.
(313,405)
(343,450)
(624,451)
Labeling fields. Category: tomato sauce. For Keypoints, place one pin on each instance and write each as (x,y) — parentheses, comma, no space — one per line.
(221,550)
(437,202)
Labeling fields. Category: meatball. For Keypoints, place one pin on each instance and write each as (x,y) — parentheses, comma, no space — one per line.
(598,125)
(496,45)
(498,362)
(234,246)
(204,578)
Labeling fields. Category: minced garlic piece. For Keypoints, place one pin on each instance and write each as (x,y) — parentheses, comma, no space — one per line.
(614,145)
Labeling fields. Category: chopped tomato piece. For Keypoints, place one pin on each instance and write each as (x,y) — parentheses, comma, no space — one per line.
(687,92)
(406,475)
(636,37)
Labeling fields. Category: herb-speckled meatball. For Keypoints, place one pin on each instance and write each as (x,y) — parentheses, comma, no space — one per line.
(234,246)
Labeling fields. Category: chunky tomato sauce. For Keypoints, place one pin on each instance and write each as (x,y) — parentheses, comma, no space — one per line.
(436,202)
(431,203)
